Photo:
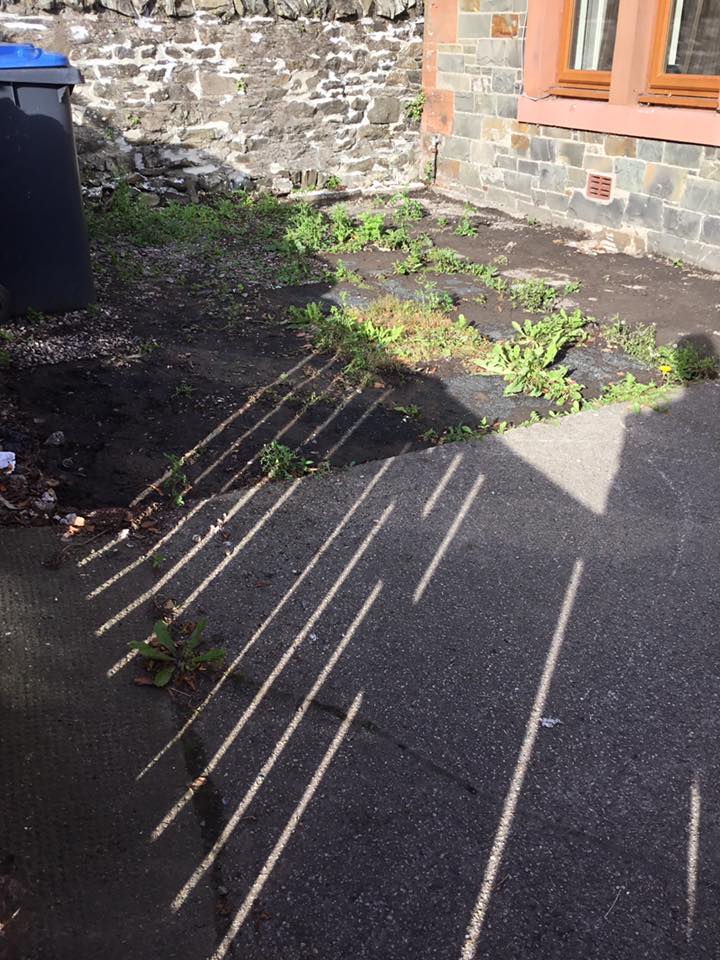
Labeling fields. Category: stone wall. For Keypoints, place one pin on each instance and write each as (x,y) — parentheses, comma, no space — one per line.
(666,196)
(281,92)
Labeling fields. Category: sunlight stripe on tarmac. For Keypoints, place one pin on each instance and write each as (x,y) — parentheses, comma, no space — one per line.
(281,433)
(440,488)
(358,423)
(232,736)
(297,719)
(317,557)
(144,558)
(182,562)
(447,540)
(101,551)
(693,855)
(290,828)
(221,566)
(237,443)
(477,918)
(214,530)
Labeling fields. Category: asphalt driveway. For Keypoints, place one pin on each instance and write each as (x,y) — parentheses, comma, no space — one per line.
(471,709)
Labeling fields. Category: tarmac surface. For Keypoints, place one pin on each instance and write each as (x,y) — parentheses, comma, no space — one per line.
(470,708)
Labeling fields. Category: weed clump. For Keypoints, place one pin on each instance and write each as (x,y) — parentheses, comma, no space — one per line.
(278,462)
(169,659)
(414,109)
(631,390)
(389,333)
(177,482)
(407,210)
(128,215)
(678,364)
(526,361)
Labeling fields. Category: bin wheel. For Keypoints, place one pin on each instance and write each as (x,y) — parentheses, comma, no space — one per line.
(4,305)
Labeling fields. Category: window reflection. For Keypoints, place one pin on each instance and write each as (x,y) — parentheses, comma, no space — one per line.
(694,38)
(594,30)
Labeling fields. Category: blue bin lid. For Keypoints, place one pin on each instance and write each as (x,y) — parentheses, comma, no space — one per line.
(27,55)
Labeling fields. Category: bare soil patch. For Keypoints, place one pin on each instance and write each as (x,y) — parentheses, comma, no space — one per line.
(191,352)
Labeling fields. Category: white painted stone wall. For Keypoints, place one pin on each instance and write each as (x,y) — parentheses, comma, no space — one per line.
(224,99)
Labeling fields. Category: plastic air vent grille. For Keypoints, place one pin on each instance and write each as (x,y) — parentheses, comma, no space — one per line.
(599,187)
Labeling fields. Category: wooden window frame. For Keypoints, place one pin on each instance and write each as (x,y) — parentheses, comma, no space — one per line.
(621,115)
(589,84)
(676,89)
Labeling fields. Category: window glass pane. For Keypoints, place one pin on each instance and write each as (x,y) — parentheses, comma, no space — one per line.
(594,34)
(694,40)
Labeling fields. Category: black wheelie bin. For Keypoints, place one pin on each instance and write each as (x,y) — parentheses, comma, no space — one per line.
(44,257)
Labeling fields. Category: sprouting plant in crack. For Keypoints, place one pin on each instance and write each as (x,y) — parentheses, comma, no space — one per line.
(536,296)
(631,390)
(411,411)
(414,109)
(461,432)
(177,481)
(434,299)
(185,390)
(465,227)
(168,659)
(278,462)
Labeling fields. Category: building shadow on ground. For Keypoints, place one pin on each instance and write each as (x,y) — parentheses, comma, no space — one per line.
(491,665)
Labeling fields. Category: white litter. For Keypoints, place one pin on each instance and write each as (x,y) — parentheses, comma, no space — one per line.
(47,502)
(549,722)
(7,461)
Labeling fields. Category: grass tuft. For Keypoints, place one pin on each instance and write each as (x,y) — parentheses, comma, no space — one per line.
(389,334)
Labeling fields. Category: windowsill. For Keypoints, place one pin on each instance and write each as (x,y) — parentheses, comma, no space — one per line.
(580,93)
(679,124)
(679,100)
